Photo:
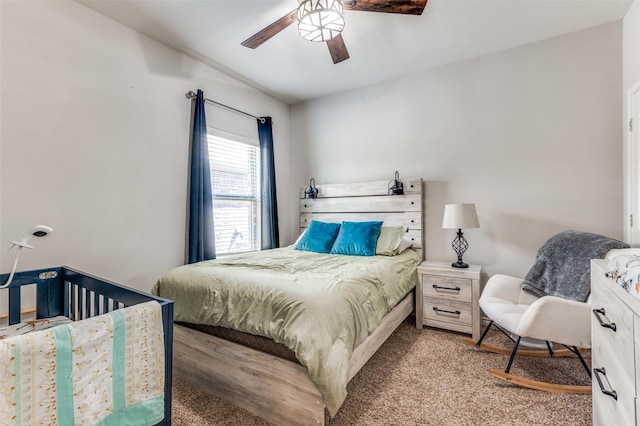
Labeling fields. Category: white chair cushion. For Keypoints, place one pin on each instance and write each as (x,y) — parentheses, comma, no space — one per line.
(504,313)
(528,316)
(504,302)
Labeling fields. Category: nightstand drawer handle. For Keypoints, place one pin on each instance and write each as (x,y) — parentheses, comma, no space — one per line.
(612,393)
(444,311)
(439,287)
(597,313)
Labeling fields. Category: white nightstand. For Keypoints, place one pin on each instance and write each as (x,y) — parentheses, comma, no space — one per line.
(447,297)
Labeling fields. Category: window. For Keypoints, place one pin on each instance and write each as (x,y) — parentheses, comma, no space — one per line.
(236,201)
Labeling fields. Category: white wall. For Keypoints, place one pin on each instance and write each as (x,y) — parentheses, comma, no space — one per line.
(531,135)
(95,139)
(94,130)
(630,77)
(631,46)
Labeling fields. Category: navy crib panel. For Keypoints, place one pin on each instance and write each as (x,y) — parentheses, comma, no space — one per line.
(77,295)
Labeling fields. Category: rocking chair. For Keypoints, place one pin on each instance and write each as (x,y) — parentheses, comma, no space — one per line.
(526,314)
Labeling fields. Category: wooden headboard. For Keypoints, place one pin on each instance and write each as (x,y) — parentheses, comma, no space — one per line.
(367,201)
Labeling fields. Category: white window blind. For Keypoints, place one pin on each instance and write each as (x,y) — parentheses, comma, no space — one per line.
(236,200)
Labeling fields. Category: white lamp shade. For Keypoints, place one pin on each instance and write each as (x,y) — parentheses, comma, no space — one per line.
(460,216)
(320,20)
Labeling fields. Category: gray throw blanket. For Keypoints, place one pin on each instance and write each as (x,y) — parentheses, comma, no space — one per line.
(563,266)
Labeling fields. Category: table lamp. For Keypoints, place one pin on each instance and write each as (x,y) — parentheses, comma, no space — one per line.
(460,216)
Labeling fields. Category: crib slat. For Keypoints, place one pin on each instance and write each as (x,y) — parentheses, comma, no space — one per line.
(14,305)
(66,296)
(80,303)
(87,312)
(72,305)
(96,304)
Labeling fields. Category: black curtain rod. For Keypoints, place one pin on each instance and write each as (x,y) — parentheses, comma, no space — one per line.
(192,95)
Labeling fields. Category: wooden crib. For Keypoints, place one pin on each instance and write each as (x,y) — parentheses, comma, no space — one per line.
(77,295)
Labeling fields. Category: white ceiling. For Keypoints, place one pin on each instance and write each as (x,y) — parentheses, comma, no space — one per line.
(382,46)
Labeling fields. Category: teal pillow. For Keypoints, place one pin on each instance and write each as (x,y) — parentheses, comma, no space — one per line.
(357,238)
(319,237)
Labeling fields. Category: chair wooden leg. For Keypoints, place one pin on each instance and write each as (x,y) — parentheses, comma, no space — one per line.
(543,386)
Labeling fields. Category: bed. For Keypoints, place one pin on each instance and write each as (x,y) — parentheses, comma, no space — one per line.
(277,387)
(67,295)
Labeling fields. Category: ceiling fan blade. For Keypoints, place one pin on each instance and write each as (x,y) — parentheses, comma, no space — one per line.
(261,36)
(406,7)
(337,49)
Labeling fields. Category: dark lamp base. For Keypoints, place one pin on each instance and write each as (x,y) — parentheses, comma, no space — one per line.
(459,265)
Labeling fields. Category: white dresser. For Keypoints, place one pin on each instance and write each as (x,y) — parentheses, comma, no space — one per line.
(615,340)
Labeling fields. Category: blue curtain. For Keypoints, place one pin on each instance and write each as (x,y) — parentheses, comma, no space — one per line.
(270,232)
(201,235)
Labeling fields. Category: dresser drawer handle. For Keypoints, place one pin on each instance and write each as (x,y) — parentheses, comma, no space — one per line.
(597,371)
(444,311)
(439,287)
(597,313)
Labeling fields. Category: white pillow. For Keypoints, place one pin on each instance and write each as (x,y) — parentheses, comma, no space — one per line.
(404,244)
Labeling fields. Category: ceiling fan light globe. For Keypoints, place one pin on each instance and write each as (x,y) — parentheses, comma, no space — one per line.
(320,20)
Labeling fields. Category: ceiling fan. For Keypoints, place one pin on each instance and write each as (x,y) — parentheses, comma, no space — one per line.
(322,20)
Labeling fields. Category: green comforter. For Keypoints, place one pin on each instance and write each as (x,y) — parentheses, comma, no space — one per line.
(321,306)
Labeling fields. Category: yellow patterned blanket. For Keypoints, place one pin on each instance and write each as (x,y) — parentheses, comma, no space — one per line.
(105,370)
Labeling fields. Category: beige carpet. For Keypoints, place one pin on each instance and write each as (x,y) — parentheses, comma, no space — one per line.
(427,377)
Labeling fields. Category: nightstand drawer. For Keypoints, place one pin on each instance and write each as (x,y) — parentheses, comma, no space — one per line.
(447,311)
(447,287)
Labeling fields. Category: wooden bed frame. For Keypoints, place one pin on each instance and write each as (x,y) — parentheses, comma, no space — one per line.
(77,295)
(279,390)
